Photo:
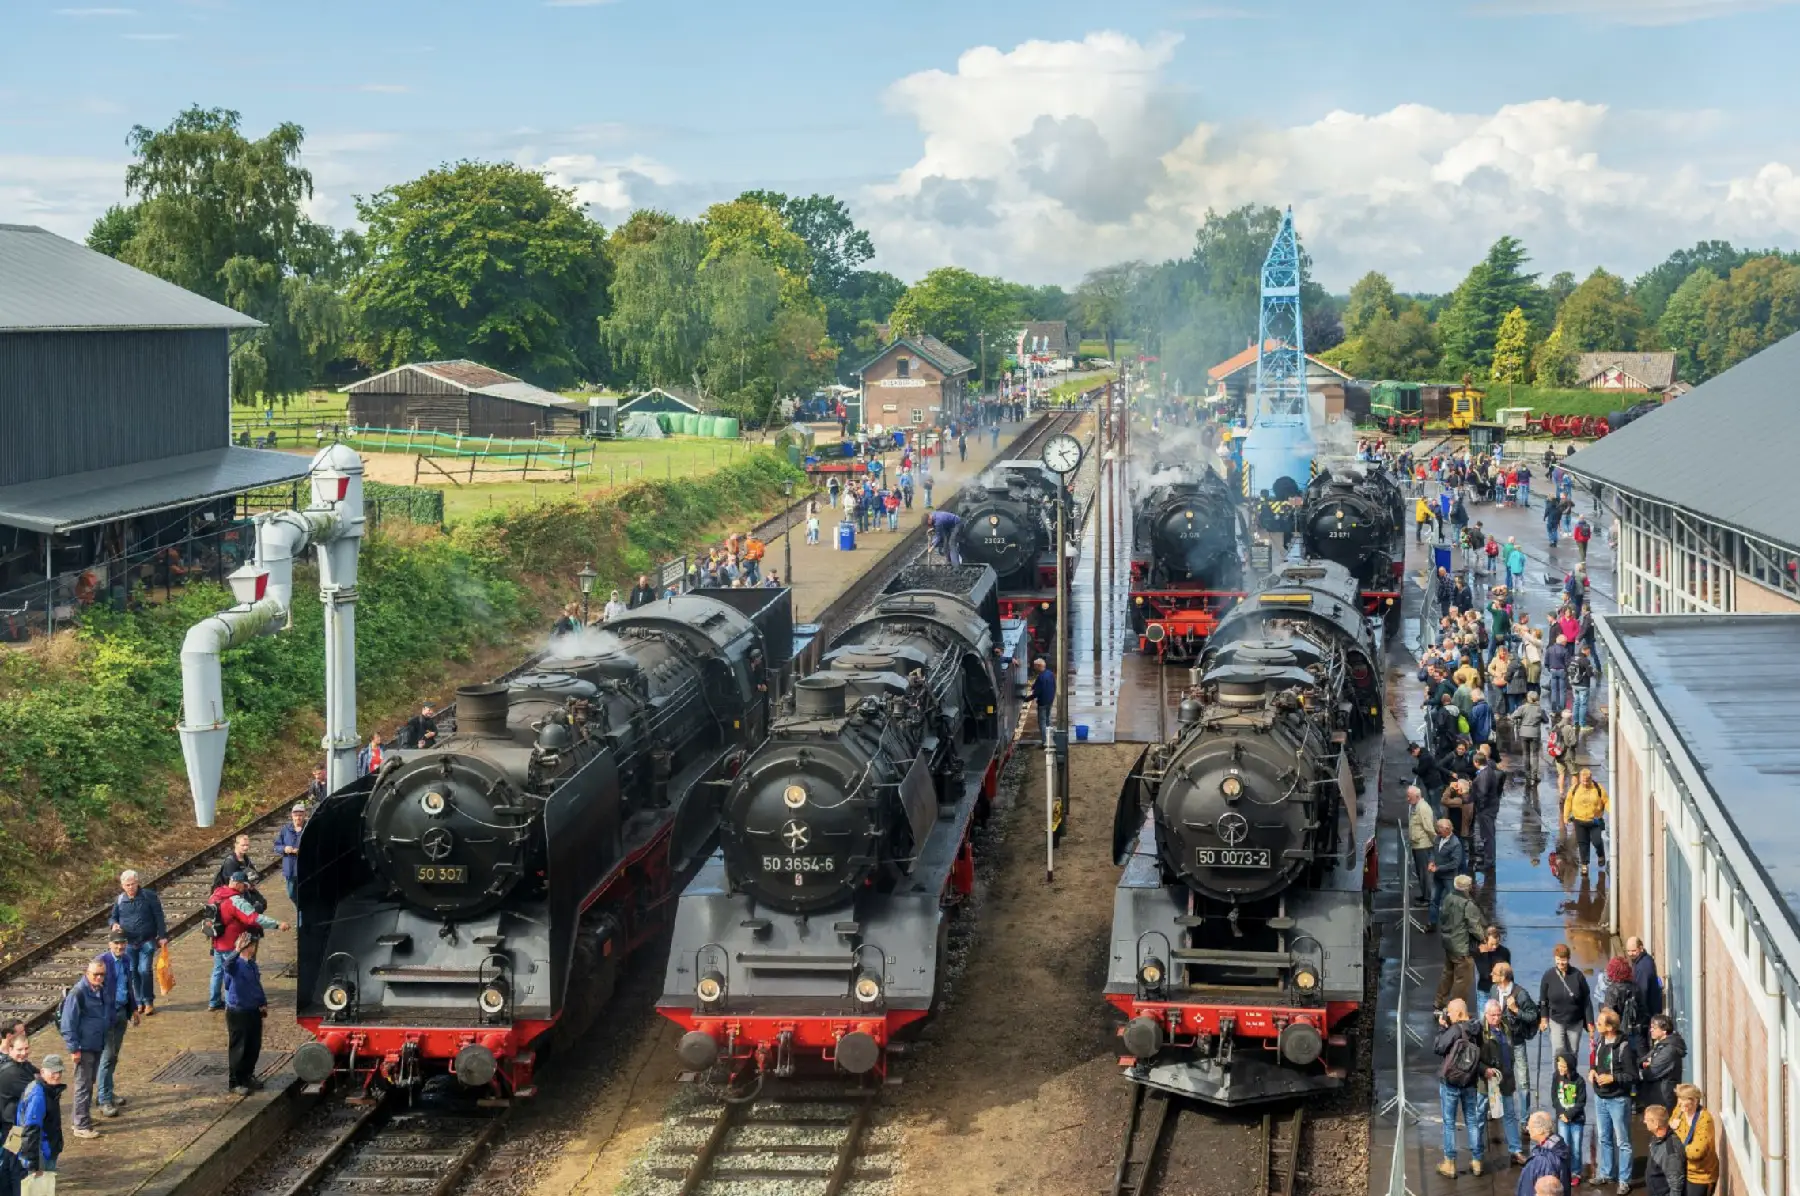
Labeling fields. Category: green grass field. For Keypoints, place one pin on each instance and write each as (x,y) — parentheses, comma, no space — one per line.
(1126,350)
(1561,402)
(616,463)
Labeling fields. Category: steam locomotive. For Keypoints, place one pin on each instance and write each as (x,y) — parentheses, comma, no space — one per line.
(1008,522)
(1357,518)
(1188,548)
(1237,946)
(471,902)
(818,930)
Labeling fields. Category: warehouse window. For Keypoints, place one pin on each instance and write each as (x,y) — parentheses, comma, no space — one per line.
(902,367)
(1738,1133)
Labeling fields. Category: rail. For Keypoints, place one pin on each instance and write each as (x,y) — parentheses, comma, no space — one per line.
(376,1147)
(809,1138)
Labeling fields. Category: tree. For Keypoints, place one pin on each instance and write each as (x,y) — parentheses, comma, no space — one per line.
(1371,298)
(657,325)
(752,227)
(484,260)
(1103,300)
(1683,325)
(1511,348)
(1757,305)
(221,215)
(1657,286)
(958,307)
(1556,291)
(1404,348)
(865,300)
(1470,325)
(1553,364)
(836,246)
(1599,316)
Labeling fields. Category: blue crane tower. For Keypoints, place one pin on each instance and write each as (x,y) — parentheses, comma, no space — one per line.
(1280,443)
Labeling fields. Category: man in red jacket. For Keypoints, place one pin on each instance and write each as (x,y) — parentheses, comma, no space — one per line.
(240,915)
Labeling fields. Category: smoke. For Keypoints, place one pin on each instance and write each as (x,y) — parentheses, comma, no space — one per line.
(588,641)
(1175,454)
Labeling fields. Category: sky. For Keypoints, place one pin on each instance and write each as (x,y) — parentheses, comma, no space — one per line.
(1034,140)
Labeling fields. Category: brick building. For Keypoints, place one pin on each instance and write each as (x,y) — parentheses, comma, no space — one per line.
(1705,782)
(917,381)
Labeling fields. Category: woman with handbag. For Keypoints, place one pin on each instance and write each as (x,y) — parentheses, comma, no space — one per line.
(1699,1140)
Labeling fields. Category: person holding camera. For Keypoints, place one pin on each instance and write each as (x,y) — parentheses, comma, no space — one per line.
(234,910)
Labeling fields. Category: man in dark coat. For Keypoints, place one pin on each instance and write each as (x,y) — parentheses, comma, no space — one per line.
(1644,978)
(642,594)
(1432,776)
(1549,1155)
(1489,783)
(86,1019)
(420,731)
(1565,1002)
(237,861)
(1660,1068)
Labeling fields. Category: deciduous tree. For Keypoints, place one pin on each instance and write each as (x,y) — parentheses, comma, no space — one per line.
(1512,348)
(958,307)
(1371,298)
(484,260)
(1599,316)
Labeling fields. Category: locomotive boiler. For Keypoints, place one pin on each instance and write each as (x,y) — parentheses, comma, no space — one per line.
(1238,922)
(1008,522)
(817,931)
(1190,540)
(470,898)
(1357,518)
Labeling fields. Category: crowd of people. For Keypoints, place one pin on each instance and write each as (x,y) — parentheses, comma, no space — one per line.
(119,989)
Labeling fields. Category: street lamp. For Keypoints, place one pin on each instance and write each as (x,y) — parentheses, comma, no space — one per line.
(586,579)
(787,537)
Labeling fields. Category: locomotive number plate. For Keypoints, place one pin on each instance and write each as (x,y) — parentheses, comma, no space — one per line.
(442,874)
(798,863)
(1231,857)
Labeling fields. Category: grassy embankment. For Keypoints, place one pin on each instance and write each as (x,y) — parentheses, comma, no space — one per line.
(91,778)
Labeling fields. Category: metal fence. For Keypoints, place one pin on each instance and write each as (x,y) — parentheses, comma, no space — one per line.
(120,582)
(1398,1105)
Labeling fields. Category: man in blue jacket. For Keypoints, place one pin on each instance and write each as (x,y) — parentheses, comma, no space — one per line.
(138,912)
(121,986)
(287,850)
(1549,1156)
(245,1008)
(86,1019)
(40,1117)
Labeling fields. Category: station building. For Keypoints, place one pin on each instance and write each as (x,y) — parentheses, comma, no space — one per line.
(1700,670)
(915,382)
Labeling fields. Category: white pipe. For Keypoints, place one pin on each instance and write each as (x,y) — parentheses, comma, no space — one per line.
(334,523)
(204,727)
(1774,1081)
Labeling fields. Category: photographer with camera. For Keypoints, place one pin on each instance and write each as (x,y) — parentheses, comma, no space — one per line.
(233,910)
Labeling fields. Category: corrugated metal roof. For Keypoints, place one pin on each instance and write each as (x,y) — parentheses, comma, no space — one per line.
(80,500)
(1724,450)
(1654,370)
(522,392)
(470,377)
(1727,686)
(51,284)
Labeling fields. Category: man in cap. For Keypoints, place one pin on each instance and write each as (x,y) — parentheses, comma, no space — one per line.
(122,987)
(287,850)
(237,914)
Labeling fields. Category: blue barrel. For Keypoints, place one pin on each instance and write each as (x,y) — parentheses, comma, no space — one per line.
(846,536)
(847,448)
(1440,557)
(899,438)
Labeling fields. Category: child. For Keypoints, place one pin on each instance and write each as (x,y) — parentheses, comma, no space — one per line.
(812,526)
(1568,1096)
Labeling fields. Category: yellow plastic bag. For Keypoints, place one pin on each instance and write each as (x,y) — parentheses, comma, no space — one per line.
(165,972)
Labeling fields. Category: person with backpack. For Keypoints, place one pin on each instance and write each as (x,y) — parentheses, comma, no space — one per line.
(1614,1070)
(1584,809)
(1458,1044)
(1550,1158)
(1582,534)
(230,912)
(1564,738)
(1507,1074)
(1621,996)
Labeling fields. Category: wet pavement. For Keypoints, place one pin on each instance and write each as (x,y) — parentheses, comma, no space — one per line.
(1535,894)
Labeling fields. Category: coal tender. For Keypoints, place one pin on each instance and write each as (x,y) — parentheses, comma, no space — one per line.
(472,898)
(817,932)
(1238,924)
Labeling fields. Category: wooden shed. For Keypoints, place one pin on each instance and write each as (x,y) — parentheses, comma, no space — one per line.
(658,400)
(461,397)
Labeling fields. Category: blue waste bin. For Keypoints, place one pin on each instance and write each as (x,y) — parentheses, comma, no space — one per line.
(846,536)
(1440,557)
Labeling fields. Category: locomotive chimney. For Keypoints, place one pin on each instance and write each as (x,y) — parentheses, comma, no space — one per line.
(481,709)
(819,697)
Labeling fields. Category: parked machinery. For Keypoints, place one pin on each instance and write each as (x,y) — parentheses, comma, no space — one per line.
(1008,522)
(1237,960)
(818,931)
(1356,517)
(1189,543)
(472,897)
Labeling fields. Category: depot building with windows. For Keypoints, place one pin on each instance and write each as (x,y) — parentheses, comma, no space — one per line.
(1701,678)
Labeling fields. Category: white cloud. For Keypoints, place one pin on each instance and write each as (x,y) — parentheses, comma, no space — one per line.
(62,194)
(1050,159)
(612,188)
(1629,12)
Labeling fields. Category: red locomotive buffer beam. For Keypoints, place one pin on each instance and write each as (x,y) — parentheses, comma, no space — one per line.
(1187,1024)
(1186,617)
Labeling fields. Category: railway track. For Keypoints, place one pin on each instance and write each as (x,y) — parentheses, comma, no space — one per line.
(817,1140)
(361,1150)
(1150,1135)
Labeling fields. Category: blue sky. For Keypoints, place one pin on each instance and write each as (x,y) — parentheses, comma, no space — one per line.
(1031,139)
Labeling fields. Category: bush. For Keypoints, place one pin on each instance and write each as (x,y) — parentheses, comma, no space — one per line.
(417,504)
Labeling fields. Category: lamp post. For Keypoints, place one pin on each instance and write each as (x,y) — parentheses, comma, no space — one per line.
(787,536)
(586,579)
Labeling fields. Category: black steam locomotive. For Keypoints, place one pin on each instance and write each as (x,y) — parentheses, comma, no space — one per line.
(1189,543)
(471,897)
(1238,923)
(1357,518)
(817,931)
(1008,523)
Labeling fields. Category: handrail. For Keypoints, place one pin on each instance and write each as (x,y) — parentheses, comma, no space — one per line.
(1397,1165)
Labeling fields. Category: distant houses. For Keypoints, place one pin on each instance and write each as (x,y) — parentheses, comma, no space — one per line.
(1653,372)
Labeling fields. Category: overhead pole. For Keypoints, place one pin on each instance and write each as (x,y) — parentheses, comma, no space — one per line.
(1280,442)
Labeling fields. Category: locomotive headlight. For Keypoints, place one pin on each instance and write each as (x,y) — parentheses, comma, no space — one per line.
(493,998)
(433,802)
(338,997)
(868,989)
(794,796)
(1231,787)
(1190,516)
(993,521)
(710,988)
(1306,978)
(1151,974)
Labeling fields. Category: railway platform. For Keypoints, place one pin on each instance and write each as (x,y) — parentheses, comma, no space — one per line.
(1536,895)
(181,1132)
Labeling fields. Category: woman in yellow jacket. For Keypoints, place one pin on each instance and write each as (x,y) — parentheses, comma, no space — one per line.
(1694,1126)
(1585,807)
(1423,516)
